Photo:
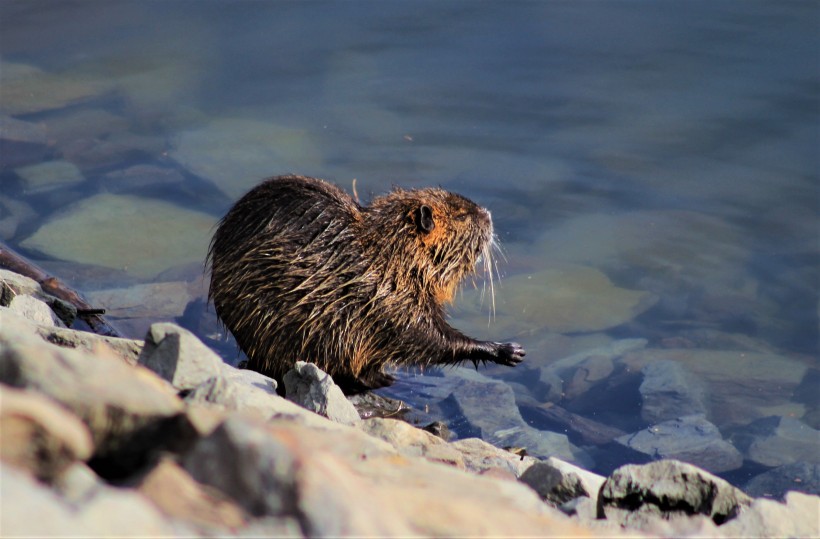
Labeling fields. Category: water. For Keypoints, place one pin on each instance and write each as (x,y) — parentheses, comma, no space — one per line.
(651,169)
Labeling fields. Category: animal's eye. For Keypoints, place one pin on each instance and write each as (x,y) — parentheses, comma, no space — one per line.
(424,219)
(461,216)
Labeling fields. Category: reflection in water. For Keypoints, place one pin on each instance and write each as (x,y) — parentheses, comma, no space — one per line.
(651,169)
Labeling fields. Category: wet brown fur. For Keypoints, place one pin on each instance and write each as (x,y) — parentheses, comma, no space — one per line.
(301,271)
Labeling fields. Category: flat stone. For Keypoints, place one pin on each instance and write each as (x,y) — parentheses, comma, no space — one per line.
(558,482)
(690,439)
(50,175)
(150,300)
(777,441)
(236,154)
(39,435)
(28,89)
(667,489)
(179,357)
(566,299)
(141,246)
(413,442)
(21,142)
(775,483)
(139,177)
(310,387)
(669,391)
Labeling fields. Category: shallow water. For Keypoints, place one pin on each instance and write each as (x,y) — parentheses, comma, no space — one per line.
(651,168)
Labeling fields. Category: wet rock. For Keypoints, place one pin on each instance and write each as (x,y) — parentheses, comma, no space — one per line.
(668,391)
(776,441)
(124,408)
(690,439)
(312,388)
(502,425)
(50,175)
(35,310)
(580,430)
(481,457)
(412,442)
(177,356)
(28,89)
(740,386)
(139,177)
(21,142)
(121,223)
(800,476)
(635,495)
(39,435)
(135,308)
(236,154)
(559,482)
(797,517)
(178,496)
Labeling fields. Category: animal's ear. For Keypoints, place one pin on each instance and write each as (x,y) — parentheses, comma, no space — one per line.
(424,219)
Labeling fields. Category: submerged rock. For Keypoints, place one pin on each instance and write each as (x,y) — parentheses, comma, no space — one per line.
(236,154)
(690,439)
(569,299)
(668,391)
(142,236)
(21,142)
(777,441)
(50,175)
(775,483)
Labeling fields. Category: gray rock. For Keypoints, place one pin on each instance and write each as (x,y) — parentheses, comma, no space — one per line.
(31,509)
(179,357)
(667,489)
(776,441)
(75,234)
(413,442)
(669,391)
(799,516)
(150,300)
(690,439)
(559,482)
(39,435)
(13,285)
(35,310)
(124,407)
(78,484)
(310,387)
(21,142)
(800,476)
(479,457)
(502,424)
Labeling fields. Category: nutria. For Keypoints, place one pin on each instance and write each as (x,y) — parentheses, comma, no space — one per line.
(301,271)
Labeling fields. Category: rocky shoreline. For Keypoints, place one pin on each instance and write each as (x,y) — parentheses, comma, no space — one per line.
(115,437)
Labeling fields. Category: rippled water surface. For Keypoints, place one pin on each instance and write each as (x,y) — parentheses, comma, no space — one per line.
(651,168)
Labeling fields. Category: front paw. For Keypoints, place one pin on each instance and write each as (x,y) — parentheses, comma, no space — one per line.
(510,354)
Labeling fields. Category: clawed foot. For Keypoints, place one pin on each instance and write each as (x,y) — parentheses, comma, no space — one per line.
(507,353)
(510,354)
